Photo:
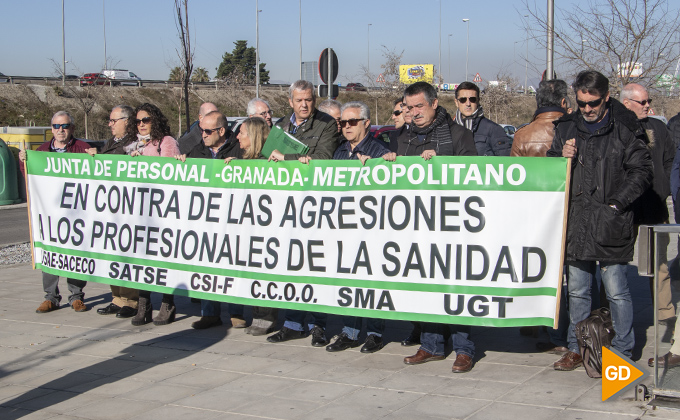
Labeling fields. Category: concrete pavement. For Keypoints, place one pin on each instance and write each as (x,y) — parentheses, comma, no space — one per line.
(67,365)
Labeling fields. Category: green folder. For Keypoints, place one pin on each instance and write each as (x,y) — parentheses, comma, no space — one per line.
(283,142)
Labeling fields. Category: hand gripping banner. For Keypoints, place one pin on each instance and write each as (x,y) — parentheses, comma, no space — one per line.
(459,240)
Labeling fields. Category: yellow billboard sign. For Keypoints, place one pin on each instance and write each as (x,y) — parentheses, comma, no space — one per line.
(411,73)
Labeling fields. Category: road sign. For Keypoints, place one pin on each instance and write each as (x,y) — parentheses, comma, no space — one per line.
(322,91)
(651,111)
(323,65)
(380,79)
(477,79)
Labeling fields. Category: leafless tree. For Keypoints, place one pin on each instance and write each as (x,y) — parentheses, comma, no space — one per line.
(610,36)
(498,99)
(186,54)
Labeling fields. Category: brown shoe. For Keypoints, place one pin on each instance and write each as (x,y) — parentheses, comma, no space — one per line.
(668,360)
(78,306)
(569,361)
(462,364)
(421,357)
(46,306)
(548,347)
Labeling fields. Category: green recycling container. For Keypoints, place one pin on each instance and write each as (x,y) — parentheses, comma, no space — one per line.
(9,188)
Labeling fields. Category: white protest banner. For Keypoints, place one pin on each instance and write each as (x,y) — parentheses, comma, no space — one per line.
(461,240)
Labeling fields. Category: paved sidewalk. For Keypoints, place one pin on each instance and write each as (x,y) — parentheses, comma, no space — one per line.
(68,365)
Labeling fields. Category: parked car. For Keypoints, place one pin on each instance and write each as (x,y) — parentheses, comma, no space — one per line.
(123,77)
(356,86)
(91,79)
(509,130)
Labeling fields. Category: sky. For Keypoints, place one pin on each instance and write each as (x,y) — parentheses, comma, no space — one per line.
(141,36)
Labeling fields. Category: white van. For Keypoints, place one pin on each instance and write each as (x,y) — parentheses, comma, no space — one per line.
(122,77)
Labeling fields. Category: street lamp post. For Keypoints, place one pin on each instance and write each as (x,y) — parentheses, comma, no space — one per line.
(439,70)
(63,45)
(300,3)
(467,48)
(526,64)
(368,51)
(449,37)
(104,18)
(257,49)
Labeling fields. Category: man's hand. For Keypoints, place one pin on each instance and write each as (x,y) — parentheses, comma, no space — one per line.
(229,159)
(305,159)
(276,156)
(569,149)
(22,155)
(390,157)
(183,158)
(363,158)
(428,154)
(91,151)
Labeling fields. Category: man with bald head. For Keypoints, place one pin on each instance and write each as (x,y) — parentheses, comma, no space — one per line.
(650,208)
(193,137)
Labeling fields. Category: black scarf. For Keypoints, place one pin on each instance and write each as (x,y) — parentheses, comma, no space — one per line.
(439,128)
(471,121)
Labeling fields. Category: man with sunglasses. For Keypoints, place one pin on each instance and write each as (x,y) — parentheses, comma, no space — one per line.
(610,168)
(399,115)
(490,138)
(214,145)
(61,142)
(651,208)
(193,136)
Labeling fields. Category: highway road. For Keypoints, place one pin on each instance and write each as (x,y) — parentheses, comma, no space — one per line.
(13,225)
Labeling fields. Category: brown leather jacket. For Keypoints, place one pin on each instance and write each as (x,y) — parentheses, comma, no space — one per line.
(536,138)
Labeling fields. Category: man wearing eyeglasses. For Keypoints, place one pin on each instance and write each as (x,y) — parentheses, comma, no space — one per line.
(312,127)
(193,136)
(651,208)
(490,138)
(124,299)
(610,168)
(61,142)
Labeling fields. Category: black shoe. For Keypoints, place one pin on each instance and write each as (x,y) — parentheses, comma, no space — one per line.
(285,334)
(318,336)
(126,312)
(342,343)
(207,322)
(109,310)
(411,340)
(373,343)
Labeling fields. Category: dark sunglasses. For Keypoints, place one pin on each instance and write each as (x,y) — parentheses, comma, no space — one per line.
(145,120)
(352,122)
(397,113)
(591,104)
(473,100)
(64,126)
(643,103)
(209,131)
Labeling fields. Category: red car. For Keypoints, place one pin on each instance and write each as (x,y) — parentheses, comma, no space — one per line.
(89,79)
(356,86)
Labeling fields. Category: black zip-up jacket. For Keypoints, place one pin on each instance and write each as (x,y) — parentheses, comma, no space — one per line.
(612,167)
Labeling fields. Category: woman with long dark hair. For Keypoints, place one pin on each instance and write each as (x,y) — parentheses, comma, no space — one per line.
(153,139)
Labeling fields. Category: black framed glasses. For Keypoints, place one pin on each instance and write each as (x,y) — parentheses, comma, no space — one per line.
(351,122)
(209,131)
(397,113)
(463,99)
(63,126)
(643,103)
(145,120)
(113,120)
(591,104)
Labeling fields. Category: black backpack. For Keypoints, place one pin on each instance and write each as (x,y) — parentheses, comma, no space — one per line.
(592,334)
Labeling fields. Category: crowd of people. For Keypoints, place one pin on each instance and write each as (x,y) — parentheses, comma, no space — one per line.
(624,165)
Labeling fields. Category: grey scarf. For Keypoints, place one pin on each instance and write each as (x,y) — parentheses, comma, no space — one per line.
(469,122)
(439,129)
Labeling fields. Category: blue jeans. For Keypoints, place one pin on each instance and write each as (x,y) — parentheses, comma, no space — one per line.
(615,283)
(559,336)
(352,326)
(434,337)
(295,320)
(214,308)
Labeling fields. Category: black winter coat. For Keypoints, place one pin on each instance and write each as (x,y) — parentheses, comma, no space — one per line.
(611,167)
